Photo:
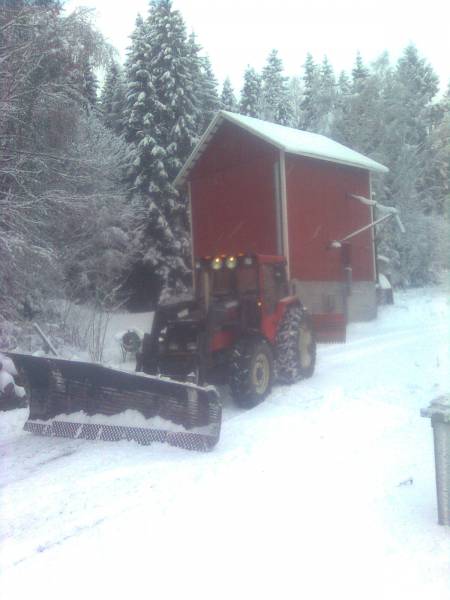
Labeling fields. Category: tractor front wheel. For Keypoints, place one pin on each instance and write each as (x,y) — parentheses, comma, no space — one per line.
(251,371)
(295,346)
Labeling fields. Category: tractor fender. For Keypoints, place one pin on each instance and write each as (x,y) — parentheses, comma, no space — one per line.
(270,323)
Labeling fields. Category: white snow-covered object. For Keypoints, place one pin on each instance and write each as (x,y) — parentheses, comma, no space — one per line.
(6,364)
(6,379)
(383,282)
(288,139)
(7,373)
(439,413)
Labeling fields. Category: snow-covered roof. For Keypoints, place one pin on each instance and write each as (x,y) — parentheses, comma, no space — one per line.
(288,139)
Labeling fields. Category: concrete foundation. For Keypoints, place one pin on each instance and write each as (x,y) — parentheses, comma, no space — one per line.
(332,297)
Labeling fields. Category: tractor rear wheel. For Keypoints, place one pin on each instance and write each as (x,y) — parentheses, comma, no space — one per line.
(251,371)
(295,346)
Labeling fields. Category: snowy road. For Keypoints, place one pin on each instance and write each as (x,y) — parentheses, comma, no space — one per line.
(324,491)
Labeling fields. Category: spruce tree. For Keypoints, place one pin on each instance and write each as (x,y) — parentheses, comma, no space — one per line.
(359,73)
(296,99)
(408,149)
(145,168)
(113,100)
(89,85)
(311,82)
(326,96)
(162,125)
(227,98)
(275,95)
(204,85)
(145,172)
(251,94)
(171,70)
(209,100)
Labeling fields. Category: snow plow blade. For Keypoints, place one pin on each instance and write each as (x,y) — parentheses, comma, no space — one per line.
(84,400)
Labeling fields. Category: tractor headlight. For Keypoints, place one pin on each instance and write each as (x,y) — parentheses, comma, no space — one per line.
(174,346)
(231,262)
(191,346)
(216,263)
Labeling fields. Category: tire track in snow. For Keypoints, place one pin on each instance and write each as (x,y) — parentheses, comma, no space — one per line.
(325,349)
(373,346)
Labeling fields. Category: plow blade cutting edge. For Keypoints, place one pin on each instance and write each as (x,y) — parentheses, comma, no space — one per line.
(84,400)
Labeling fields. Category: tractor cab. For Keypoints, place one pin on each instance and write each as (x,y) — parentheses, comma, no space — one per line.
(257,281)
(241,323)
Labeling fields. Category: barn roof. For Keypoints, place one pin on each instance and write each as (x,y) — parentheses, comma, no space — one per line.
(292,141)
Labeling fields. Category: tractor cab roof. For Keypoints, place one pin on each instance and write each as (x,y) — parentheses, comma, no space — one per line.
(241,259)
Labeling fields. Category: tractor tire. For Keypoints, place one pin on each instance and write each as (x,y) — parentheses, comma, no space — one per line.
(251,371)
(295,346)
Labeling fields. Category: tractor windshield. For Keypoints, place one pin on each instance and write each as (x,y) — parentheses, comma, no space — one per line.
(222,282)
(247,280)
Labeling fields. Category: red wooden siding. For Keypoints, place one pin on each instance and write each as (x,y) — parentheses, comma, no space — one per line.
(319,211)
(233,195)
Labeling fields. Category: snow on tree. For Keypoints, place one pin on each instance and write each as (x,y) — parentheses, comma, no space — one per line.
(326,97)
(251,94)
(227,98)
(406,115)
(162,126)
(42,52)
(296,99)
(93,239)
(113,98)
(311,83)
(208,95)
(359,73)
(204,85)
(145,171)
(170,68)
(275,95)
(434,179)
(89,85)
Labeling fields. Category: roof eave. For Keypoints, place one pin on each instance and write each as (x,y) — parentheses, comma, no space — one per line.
(224,115)
(374,168)
(198,150)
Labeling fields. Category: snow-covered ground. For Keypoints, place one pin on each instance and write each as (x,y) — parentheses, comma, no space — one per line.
(327,490)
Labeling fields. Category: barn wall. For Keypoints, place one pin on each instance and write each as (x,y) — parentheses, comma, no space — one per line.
(233,195)
(319,211)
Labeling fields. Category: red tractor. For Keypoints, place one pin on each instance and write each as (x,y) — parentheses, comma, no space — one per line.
(243,328)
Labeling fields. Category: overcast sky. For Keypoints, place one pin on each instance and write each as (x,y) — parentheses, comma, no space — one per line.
(237,33)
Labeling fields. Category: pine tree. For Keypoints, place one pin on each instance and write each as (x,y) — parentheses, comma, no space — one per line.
(275,95)
(227,98)
(251,94)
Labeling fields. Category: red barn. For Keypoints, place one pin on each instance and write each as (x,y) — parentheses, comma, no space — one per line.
(259,187)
